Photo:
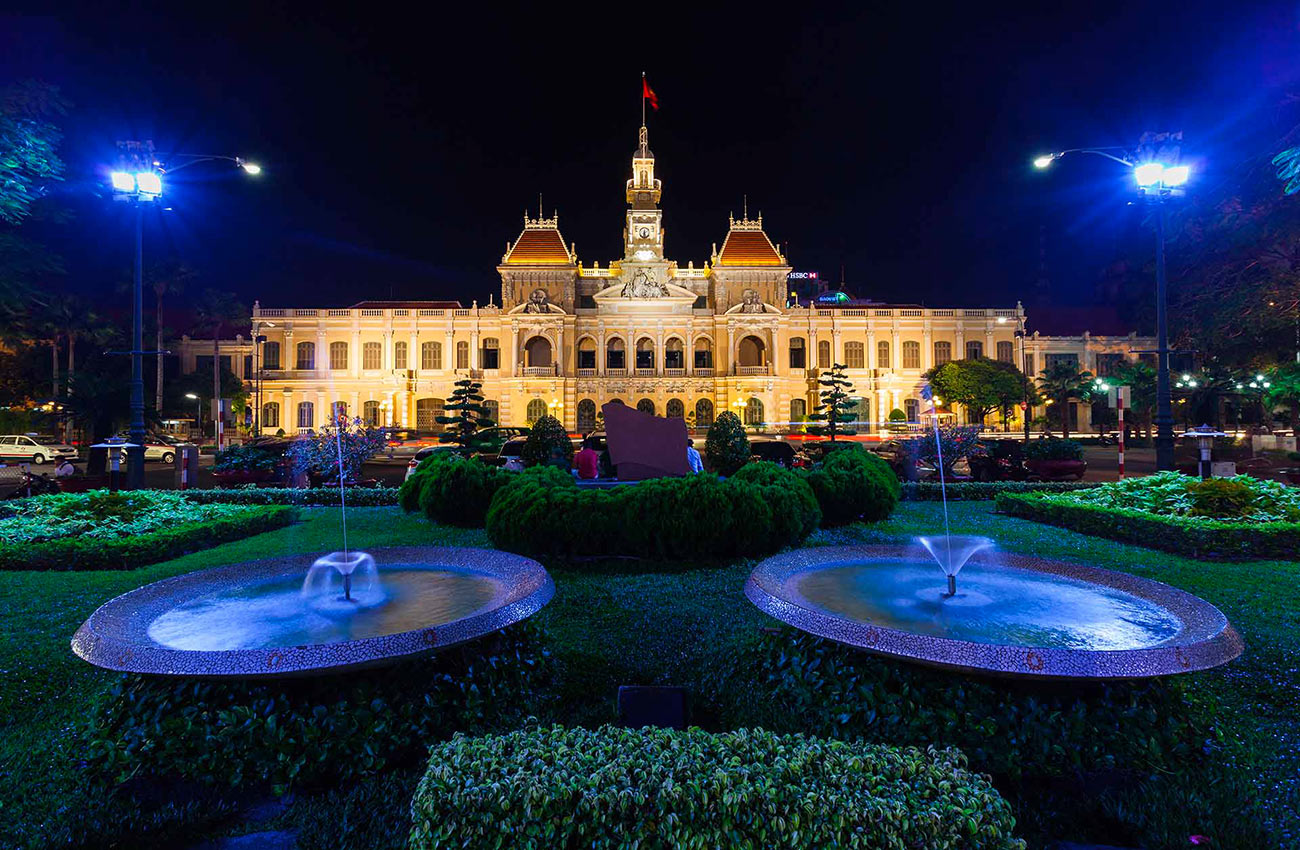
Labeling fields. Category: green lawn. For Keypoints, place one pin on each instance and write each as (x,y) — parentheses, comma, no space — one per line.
(612,622)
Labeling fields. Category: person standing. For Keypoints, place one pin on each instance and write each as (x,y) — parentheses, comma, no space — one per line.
(587,460)
(693,457)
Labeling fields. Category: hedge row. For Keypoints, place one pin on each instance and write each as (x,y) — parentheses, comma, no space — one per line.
(612,787)
(1196,537)
(122,553)
(451,489)
(969,491)
(852,485)
(357,497)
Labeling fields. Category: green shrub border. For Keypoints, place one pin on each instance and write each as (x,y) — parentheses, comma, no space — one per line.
(124,553)
(1193,536)
(970,491)
(358,497)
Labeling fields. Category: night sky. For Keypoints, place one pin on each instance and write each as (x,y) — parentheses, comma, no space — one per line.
(400,150)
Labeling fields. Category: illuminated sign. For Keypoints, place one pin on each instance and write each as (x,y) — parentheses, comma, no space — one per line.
(803,275)
(833,297)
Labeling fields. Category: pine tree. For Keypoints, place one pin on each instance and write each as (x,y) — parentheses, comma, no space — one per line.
(465,414)
(836,407)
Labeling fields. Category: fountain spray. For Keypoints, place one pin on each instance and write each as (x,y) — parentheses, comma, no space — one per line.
(928,394)
(343,507)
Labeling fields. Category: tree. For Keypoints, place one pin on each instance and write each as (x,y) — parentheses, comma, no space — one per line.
(726,446)
(218,310)
(29,142)
(547,442)
(1284,389)
(1141,382)
(164,279)
(980,385)
(342,447)
(470,415)
(1061,383)
(836,406)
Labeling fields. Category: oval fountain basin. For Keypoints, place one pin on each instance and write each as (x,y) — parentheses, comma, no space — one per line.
(253,619)
(1013,615)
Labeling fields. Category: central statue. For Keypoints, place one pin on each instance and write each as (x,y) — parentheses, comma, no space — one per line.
(643,285)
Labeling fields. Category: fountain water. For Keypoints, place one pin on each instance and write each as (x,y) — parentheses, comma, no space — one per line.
(344,564)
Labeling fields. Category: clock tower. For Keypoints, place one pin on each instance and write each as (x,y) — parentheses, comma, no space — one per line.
(643,236)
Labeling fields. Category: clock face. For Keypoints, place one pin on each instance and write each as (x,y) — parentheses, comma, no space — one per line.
(645,233)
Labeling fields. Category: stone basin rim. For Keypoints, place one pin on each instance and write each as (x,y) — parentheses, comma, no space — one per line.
(1205,639)
(114,636)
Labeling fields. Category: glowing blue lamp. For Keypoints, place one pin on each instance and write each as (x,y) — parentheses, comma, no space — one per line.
(1176,175)
(1149,173)
(148,182)
(123,182)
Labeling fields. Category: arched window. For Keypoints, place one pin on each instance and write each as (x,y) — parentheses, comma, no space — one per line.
(615,354)
(587,354)
(427,411)
(338,355)
(1006,353)
(399,356)
(306,413)
(882,356)
(798,353)
(492,410)
(645,405)
(270,355)
(587,413)
(271,414)
(974,349)
(754,413)
(306,355)
(703,353)
(490,355)
(675,409)
(703,413)
(855,355)
(372,356)
(645,353)
(942,352)
(616,401)
(751,352)
(674,357)
(462,355)
(861,410)
(430,355)
(338,412)
(798,411)
(911,354)
(536,410)
(912,408)
(537,352)
(824,354)
(370,413)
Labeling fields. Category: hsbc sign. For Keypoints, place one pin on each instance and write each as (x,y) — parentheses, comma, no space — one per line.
(803,275)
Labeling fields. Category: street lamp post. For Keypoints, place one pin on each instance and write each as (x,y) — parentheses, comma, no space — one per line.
(1157,182)
(258,339)
(198,412)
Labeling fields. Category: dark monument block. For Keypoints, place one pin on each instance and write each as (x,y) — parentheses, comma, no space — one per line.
(644,446)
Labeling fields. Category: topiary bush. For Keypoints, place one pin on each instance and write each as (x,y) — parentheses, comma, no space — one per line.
(453,490)
(613,787)
(793,500)
(854,484)
(1221,498)
(1053,448)
(282,733)
(547,441)
(726,448)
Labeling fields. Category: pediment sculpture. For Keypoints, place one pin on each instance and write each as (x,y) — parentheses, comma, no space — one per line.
(643,285)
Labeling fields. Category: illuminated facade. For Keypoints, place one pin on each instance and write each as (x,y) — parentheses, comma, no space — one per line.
(568,337)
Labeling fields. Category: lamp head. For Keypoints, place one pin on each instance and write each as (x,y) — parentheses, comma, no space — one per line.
(250,167)
(191,396)
(1148,173)
(1045,160)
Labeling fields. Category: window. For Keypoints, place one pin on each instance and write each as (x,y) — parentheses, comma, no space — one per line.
(1050,360)
(1108,364)
(536,410)
(490,356)
(703,413)
(427,411)
(974,349)
(271,415)
(1006,353)
(861,410)
(754,413)
(703,353)
(462,355)
(913,409)
(399,355)
(798,353)
(430,355)
(882,356)
(372,356)
(587,412)
(798,411)
(248,366)
(824,354)
(675,409)
(492,410)
(911,354)
(306,413)
(855,355)
(645,405)
(751,352)
(587,354)
(674,358)
(942,352)
(306,355)
(370,413)
(270,355)
(338,355)
(615,355)
(338,412)
(645,354)
(1029,365)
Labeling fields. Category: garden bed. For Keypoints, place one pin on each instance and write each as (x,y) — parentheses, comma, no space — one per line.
(966,491)
(100,530)
(357,497)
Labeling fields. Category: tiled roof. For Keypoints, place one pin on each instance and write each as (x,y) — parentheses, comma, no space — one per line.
(538,247)
(748,248)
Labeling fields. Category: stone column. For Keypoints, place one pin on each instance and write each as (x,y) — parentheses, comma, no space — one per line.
(354,354)
(449,351)
(927,348)
(473,350)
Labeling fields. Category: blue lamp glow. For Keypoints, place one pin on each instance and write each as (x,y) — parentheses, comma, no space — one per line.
(122,181)
(149,183)
(1149,173)
(1177,175)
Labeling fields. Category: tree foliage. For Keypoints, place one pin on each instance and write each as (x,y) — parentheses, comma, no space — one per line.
(726,447)
(1062,383)
(980,385)
(1284,390)
(547,442)
(345,445)
(29,141)
(466,415)
(835,409)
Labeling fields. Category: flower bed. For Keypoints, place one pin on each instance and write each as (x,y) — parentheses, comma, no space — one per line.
(1229,518)
(611,787)
(100,530)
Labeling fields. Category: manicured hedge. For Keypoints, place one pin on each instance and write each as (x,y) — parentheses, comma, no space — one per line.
(967,491)
(853,484)
(612,787)
(543,512)
(123,553)
(1186,535)
(451,489)
(289,732)
(357,497)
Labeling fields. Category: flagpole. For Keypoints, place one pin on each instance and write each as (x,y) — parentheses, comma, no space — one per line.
(643,98)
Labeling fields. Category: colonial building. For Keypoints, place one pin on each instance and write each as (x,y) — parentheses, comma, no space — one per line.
(675,341)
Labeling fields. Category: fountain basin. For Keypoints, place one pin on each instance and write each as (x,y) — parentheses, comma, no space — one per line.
(1014,615)
(250,620)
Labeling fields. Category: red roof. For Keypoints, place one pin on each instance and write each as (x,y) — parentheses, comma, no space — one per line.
(748,248)
(539,247)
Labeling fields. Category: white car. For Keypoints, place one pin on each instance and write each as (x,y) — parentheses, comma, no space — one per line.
(158,448)
(34,448)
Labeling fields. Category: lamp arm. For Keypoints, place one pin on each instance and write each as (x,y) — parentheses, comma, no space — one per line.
(192,158)
(1101,151)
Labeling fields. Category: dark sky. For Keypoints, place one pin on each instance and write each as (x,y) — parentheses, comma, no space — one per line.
(401,148)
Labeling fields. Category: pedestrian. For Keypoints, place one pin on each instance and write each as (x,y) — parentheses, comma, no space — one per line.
(588,460)
(64,469)
(693,456)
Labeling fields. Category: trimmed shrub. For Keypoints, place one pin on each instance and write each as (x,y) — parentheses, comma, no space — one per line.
(1221,498)
(547,442)
(854,485)
(358,497)
(245,459)
(726,447)
(453,490)
(1053,449)
(612,787)
(282,733)
(967,491)
(805,511)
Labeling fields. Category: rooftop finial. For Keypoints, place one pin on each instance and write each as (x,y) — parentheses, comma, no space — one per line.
(540,213)
(745,206)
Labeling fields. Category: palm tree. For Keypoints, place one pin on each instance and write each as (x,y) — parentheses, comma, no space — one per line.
(165,279)
(217,311)
(1061,383)
(1141,382)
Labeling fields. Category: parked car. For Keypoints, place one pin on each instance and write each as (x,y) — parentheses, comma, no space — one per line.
(777,451)
(425,452)
(35,448)
(158,446)
(511,454)
(496,437)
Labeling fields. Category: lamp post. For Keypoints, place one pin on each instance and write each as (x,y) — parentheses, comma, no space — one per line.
(198,412)
(138,181)
(258,339)
(1157,182)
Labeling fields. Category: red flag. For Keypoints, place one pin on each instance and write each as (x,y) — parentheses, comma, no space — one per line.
(647,93)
